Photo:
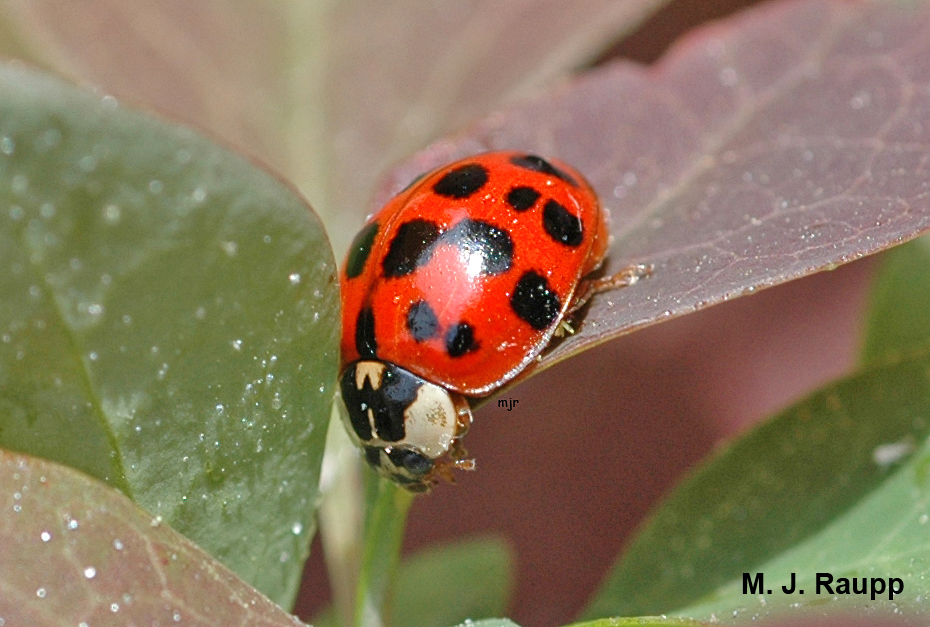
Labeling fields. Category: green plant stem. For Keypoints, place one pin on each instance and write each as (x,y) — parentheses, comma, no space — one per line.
(384,530)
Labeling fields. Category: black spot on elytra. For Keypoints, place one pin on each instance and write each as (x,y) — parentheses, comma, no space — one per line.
(538,164)
(387,404)
(411,247)
(460,340)
(492,245)
(421,321)
(365,342)
(462,182)
(535,302)
(561,225)
(360,249)
(522,198)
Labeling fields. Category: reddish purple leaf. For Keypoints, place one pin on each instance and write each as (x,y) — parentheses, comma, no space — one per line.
(402,73)
(74,551)
(782,142)
(214,64)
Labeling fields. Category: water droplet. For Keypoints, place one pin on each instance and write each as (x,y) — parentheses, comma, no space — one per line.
(923,519)
(112,213)
(276,401)
(114,607)
(72,523)
(109,102)
(95,309)
(176,616)
(7,145)
(46,536)
(728,77)
(296,528)
(156,186)
(231,248)
(51,137)
(162,372)
(201,313)
(118,545)
(87,163)
(294,278)
(236,344)
(267,239)
(41,593)
(860,100)
(92,355)
(199,194)
(19,184)
(16,212)
(284,556)
(887,454)
(90,572)
(47,210)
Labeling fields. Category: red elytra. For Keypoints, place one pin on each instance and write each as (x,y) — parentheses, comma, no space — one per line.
(464,276)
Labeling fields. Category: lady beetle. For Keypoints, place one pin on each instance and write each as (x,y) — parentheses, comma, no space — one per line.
(451,290)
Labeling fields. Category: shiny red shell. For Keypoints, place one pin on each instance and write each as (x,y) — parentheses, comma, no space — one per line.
(463,277)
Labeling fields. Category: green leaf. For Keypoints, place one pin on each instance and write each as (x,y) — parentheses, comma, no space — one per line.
(77,552)
(489,622)
(899,318)
(660,621)
(837,484)
(168,322)
(447,584)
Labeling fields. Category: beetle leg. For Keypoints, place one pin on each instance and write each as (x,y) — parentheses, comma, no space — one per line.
(626,277)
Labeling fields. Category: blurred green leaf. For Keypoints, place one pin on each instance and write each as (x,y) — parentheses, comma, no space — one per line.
(168,322)
(836,484)
(77,552)
(443,585)
(440,586)
(898,315)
